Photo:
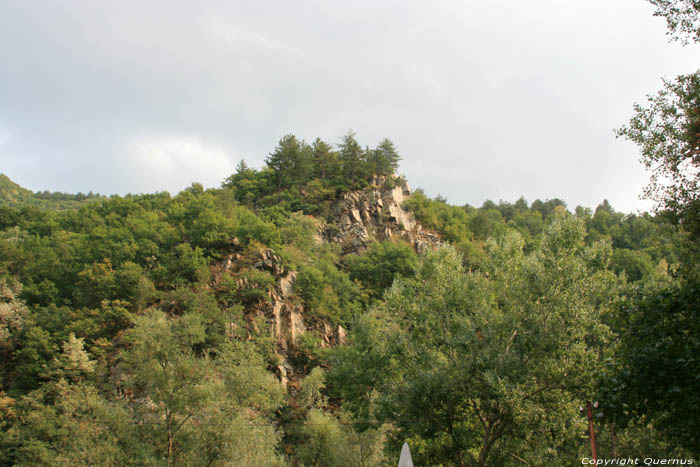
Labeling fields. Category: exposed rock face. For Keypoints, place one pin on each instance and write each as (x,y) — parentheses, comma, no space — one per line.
(286,315)
(287,322)
(376,214)
(282,310)
(359,217)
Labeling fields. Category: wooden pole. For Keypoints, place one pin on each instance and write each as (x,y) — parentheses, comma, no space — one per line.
(591,432)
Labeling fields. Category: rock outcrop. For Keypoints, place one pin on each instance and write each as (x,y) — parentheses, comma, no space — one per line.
(282,310)
(376,213)
(358,218)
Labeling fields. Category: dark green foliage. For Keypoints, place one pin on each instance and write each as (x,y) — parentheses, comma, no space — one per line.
(35,350)
(383,262)
(547,207)
(324,160)
(384,159)
(655,377)
(255,287)
(660,361)
(290,162)
(353,161)
(307,178)
(140,334)
(636,264)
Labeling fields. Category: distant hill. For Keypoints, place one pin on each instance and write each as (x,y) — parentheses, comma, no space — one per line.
(16,196)
(12,194)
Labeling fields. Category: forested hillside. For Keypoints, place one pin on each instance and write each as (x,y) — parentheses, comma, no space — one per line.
(13,195)
(316,312)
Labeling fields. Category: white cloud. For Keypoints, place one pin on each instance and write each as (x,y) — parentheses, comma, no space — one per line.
(173,162)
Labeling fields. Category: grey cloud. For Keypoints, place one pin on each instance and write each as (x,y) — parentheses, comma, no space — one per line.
(484,99)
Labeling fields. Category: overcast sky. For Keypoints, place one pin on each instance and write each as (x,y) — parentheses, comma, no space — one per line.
(489,99)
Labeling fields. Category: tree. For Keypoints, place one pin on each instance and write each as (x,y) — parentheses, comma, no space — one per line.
(655,375)
(12,312)
(324,160)
(352,159)
(330,438)
(199,410)
(377,268)
(476,366)
(291,161)
(667,132)
(384,159)
(658,362)
(682,18)
(667,129)
(333,442)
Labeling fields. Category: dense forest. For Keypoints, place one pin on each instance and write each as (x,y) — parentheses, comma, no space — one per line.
(127,341)
(317,312)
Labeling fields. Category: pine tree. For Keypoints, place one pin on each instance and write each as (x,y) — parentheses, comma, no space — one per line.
(324,160)
(353,159)
(291,162)
(384,160)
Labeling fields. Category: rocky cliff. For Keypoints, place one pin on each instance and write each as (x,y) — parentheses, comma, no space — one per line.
(375,213)
(357,218)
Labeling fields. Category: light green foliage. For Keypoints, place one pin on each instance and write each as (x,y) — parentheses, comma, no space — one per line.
(451,222)
(184,410)
(298,231)
(74,362)
(483,360)
(11,194)
(79,428)
(12,312)
(246,379)
(250,228)
(332,438)
(195,406)
(332,442)
(310,393)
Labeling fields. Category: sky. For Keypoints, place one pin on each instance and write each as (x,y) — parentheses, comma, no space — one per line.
(484,100)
